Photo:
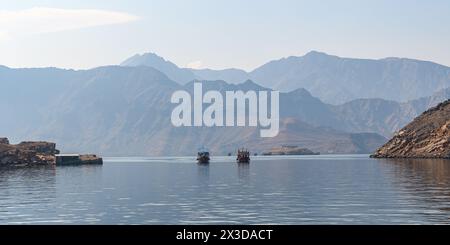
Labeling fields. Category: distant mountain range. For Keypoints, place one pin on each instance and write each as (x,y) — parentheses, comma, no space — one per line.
(333,79)
(125,110)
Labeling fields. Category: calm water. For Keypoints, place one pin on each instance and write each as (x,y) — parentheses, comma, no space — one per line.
(271,190)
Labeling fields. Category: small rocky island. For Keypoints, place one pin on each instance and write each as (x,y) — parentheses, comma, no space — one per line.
(289,150)
(39,153)
(427,136)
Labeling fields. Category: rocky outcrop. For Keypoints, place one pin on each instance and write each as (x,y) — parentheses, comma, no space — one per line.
(290,150)
(427,136)
(4,141)
(27,153)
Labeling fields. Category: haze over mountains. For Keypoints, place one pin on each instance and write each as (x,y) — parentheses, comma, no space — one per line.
(333,79)
(125,110)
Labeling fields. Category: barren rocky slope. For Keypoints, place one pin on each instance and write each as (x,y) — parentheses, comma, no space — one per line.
(428,136)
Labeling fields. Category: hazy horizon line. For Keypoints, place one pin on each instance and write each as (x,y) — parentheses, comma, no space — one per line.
(223,68)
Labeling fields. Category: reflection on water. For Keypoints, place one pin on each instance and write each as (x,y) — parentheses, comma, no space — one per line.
(243,172)
(24,191)
(435,171)
(425,180)
(203,173)
(328,189)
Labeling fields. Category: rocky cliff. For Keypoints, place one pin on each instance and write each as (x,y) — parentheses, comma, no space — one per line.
(4,141)
(27,153)
(427,136)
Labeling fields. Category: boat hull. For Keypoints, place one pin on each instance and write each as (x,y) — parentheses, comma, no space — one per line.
(244,160)
(203,159)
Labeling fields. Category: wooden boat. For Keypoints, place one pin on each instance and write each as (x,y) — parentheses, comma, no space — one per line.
(203,157)
(243,156)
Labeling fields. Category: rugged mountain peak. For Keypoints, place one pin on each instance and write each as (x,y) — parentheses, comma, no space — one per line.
(301,92)
(175,73)
(315,53)
(221,85)
(249,84)
(144,59)
(427,136)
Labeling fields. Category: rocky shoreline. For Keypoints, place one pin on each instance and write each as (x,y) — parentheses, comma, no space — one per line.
(27,153)
(427,136)
(36,153)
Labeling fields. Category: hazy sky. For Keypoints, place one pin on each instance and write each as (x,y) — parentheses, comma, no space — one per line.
(219,33)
